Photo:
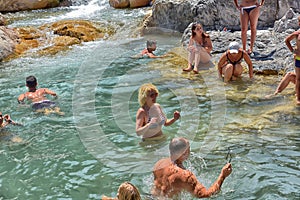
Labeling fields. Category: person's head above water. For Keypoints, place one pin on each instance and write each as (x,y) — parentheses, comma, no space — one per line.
(128,191)
(151,45)
(146,90)
(179,149)
(31,81)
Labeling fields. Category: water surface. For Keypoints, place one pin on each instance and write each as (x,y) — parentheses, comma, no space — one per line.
(92,148)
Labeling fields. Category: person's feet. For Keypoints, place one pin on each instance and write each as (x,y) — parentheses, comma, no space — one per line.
(195,71)
(297,102)
(249,52)
(187,69)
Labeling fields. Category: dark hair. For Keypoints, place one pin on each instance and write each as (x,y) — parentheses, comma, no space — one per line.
(194,26)
(31,81)
(177,147)
(150,43)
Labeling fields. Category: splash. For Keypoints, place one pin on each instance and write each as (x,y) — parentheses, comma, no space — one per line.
(87,10)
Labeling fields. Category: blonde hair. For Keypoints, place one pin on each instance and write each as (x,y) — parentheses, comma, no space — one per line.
(128,191)
(144,90)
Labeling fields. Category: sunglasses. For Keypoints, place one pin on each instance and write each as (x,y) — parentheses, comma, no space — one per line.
(153,94)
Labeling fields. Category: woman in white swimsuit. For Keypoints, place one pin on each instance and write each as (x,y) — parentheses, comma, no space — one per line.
(150,117)
(199,48)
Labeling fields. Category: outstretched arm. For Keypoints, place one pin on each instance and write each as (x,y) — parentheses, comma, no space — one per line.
(47,91)
(185,179)
(21,98)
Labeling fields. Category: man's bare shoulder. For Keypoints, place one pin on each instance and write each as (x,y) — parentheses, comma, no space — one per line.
(162,163)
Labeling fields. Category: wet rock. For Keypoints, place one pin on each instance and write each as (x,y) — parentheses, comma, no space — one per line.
(19,5)
(8,39)
(129,3)
(52,38)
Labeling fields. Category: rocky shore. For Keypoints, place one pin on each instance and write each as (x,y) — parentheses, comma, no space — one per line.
(277,20)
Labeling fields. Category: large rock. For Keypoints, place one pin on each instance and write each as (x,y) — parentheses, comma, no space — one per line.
(18,5)
(8,39)
(214,14)
(129,3)
(52,38)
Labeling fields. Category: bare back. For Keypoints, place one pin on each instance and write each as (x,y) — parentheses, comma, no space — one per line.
(36,95)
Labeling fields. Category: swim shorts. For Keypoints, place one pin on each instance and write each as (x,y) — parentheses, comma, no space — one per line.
(43,104)
(297,61)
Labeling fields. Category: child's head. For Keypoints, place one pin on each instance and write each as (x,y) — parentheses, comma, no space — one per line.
(151,45)
(31,82)
(127,191)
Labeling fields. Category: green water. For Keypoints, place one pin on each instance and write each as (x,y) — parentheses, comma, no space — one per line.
(92,148)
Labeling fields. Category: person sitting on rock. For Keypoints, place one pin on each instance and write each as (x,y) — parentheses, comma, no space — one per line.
(288,78)
(229,64)
(199,48)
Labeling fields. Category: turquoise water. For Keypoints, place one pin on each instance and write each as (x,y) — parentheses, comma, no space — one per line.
(92,148)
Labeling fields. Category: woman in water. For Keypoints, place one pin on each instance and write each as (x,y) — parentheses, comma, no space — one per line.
(150,117)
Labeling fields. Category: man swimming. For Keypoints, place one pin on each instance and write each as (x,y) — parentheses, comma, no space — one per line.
(38,96)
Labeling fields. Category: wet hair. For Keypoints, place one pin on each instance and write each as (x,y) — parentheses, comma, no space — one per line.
(194,26)
(178,147)
(31,81)
(150,43)
(128,191)
(144,90)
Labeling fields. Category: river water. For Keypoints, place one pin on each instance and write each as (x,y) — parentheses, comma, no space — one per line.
(92,148)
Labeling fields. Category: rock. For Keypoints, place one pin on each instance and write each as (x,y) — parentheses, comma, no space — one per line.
(214,14)
(119,3)
(8,39)
(138,3)
(129,3)
(289,20)
(52,38)
(19,5)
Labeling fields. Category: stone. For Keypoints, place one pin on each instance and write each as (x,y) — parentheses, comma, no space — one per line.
(52,38)
(19,5)
(119,3)
(139,3)
(214,14)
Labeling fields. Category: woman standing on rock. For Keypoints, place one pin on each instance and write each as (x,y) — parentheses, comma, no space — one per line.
(249,12)
(199,48)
